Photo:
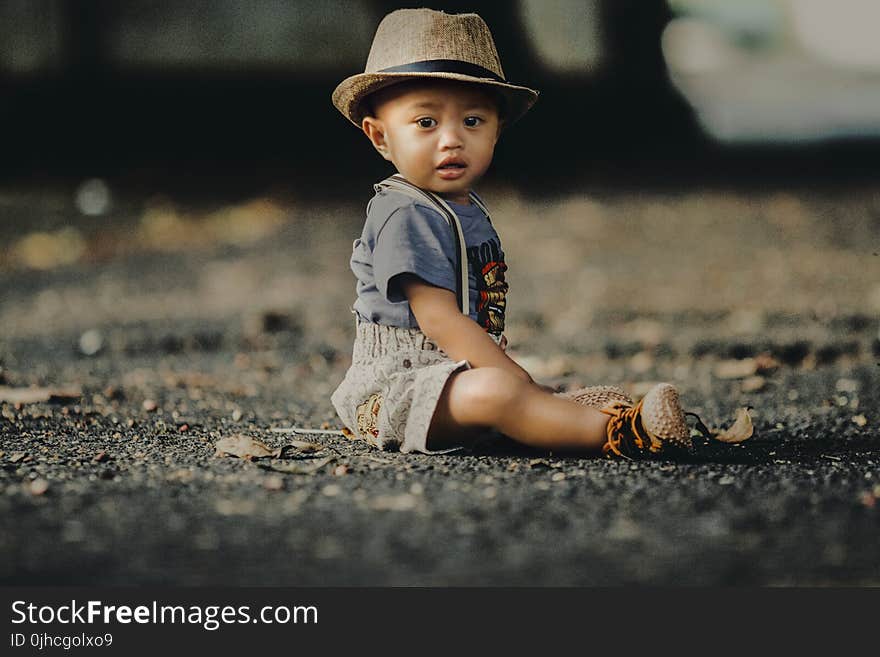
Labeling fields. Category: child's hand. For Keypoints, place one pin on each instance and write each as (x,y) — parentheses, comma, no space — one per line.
(503,342)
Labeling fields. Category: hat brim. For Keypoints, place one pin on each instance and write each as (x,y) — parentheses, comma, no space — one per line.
(349,95)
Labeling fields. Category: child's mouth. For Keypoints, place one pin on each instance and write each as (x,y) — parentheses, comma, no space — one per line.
(451,171)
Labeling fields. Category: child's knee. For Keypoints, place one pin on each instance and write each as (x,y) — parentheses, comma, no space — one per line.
(489,390)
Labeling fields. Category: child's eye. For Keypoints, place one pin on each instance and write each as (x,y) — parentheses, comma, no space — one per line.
(473,121)
(426,123)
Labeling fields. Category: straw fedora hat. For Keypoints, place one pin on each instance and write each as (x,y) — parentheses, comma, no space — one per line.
(424,43)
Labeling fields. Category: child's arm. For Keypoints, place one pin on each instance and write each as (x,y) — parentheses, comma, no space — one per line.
(439,317)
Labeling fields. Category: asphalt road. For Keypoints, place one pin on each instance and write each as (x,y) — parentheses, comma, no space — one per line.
(180,324)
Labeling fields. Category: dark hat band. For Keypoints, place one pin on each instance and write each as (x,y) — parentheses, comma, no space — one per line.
(444,66)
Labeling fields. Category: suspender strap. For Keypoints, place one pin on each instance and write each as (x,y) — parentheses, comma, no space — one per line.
(479,203)
(402,185)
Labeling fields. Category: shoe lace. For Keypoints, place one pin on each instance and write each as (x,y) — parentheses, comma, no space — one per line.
(625,431)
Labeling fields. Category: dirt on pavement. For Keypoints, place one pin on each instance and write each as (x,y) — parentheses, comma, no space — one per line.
(164,325)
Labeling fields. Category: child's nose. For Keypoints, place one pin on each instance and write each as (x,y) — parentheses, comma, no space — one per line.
(450,137)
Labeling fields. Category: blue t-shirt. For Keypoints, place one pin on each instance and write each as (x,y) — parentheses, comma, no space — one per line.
(404,235)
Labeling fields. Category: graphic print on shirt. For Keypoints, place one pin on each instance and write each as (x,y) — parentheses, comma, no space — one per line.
(487,261)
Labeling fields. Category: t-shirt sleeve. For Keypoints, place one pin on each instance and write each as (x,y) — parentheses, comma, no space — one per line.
(414,240)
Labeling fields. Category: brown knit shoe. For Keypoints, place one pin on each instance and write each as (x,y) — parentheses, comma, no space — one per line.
(656,424)
(598,396)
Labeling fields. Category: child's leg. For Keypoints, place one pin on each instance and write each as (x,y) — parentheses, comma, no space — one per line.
(491,397)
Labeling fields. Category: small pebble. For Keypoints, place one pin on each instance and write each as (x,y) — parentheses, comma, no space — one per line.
(38,486)
(847,385)
(236,415)
(273,482)
(331,490)
(150,405)
(91,342)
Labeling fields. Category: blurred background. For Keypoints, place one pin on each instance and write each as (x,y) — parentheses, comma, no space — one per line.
(145,91)
(732,144)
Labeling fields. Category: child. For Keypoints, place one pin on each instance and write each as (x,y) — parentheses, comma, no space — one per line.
(429,370)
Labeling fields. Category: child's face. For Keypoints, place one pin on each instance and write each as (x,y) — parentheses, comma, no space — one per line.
(440,135)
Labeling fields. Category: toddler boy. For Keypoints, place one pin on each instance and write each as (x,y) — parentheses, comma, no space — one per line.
(429,369)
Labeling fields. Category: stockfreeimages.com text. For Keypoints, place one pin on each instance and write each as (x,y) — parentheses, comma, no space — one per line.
(211,617)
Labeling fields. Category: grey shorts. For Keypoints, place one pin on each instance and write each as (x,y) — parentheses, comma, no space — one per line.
(390,392)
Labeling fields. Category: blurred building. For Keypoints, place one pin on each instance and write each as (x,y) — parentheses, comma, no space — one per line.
(107,85)
(778,70)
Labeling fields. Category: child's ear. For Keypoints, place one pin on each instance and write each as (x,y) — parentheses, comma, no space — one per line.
(374,129)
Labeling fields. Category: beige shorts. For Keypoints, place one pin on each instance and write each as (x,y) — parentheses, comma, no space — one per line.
(390,392)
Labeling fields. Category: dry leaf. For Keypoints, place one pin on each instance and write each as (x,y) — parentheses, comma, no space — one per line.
(753,383)
(736,369)
(765,363)
(401,502)
(291,468)
(641,362)
(303,446)
(741,429)
(45,250)
(34,395)
(244,447)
